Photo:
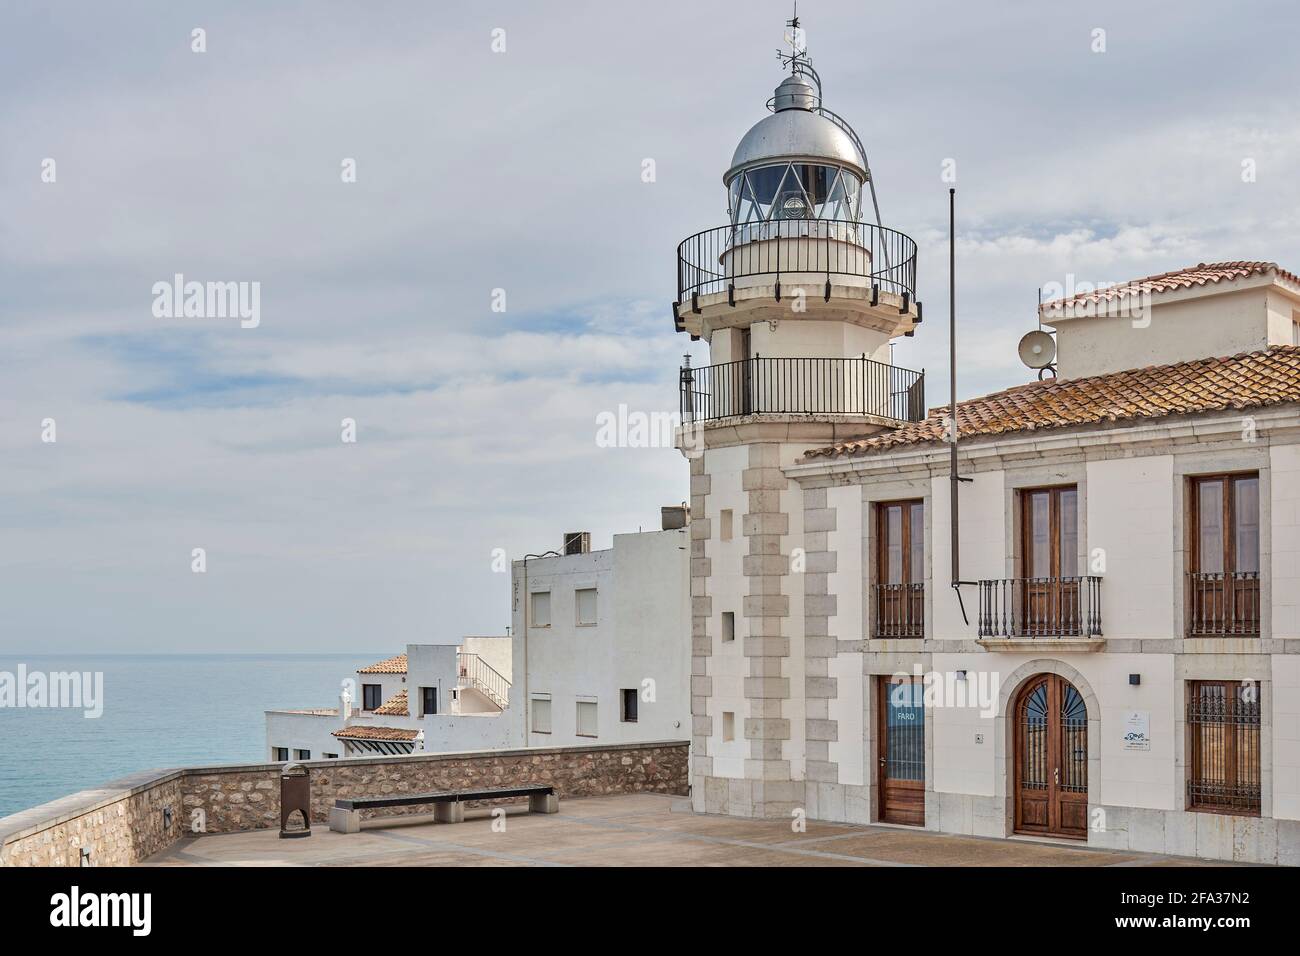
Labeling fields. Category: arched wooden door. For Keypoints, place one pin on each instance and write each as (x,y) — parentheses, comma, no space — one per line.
(1051,765)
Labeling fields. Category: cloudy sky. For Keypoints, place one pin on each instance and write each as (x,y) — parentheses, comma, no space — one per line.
(521,171)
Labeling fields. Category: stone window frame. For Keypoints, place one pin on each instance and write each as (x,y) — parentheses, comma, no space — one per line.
(1233,667)
(1194,463)
(920,488)
(1018,479)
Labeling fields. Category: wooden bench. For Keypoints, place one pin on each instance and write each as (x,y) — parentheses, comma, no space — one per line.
(448,805)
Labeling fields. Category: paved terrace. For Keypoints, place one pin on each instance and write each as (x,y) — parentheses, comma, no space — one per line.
(630,830)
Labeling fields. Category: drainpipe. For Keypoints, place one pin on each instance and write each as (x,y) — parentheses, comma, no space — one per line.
(527,702)
(954,480)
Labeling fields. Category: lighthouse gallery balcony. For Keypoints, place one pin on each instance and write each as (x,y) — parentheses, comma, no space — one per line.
(802,251)
(802,386)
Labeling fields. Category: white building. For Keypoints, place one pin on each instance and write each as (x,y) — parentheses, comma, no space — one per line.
(434,697)
(604,656)
(1129,674)
(604,643)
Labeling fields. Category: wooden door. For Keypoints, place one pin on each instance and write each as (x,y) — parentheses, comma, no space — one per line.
(1051,765)
(901,750)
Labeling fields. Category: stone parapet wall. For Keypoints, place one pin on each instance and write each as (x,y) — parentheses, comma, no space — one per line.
(123,823)
(119,824)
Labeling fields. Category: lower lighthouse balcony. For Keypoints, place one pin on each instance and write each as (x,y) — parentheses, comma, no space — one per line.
(812,387)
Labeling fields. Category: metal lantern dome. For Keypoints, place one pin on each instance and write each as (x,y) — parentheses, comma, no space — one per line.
(802,214)
(801,162)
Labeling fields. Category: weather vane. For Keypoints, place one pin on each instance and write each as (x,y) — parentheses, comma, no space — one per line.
(798,42)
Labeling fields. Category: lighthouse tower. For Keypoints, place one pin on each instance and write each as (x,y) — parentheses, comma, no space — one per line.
(798,296)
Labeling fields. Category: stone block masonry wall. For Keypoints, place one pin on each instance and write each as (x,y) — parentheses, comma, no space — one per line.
(120,823)
(123,823)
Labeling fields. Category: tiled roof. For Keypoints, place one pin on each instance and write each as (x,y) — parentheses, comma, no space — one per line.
(395,706)
(1250,380)
(376,733)
(1197,275)
(394,665)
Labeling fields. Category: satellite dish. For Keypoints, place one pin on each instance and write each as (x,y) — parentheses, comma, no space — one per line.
(1037,349)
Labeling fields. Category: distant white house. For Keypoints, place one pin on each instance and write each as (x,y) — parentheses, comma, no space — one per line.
(603,656)
(434,697)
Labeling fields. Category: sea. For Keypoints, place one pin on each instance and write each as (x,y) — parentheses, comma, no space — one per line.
(159,711)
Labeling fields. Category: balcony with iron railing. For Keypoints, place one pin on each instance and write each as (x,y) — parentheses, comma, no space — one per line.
(843,251)
(1223,604)
(860,387)
(898,610)
(1047,609)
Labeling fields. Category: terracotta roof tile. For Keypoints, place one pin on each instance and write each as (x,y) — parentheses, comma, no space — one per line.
(376,733)
(395,706)
(1249,380)
(1197,275)
(393,665)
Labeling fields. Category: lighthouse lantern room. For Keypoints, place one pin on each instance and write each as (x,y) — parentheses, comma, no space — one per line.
(801,293)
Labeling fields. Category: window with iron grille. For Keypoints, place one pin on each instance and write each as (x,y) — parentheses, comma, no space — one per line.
(1223,743)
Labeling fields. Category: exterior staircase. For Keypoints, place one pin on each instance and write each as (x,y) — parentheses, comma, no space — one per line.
(478,674)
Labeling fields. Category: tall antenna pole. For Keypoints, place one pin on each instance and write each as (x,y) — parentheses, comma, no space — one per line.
(954,480)
(952,382)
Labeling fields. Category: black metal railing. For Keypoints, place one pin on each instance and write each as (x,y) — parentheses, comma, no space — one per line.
(1223,603)
(711,261)
(802,386)
(1040,607)
(899,610)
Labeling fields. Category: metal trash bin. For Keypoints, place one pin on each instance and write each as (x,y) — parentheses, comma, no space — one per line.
(295,794)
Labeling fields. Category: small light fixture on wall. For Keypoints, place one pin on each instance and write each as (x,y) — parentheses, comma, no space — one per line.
(1135,679)
(167,818)
(961,676)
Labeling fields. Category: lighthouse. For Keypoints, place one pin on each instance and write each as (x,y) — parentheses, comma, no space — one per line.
(798,296)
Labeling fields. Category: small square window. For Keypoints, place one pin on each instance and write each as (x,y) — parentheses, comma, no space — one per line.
(728,626)
(586,718)
(280,754)
(585,599)
(725,524)
(302,755)
(330,756)
(728,726)
(371,696)
(540,613)
(541,715)
(630,700)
